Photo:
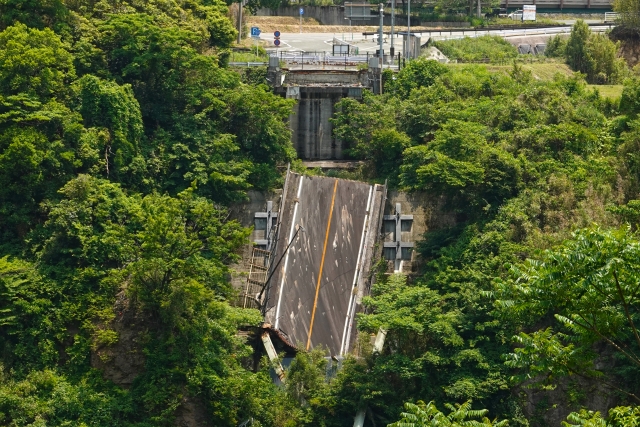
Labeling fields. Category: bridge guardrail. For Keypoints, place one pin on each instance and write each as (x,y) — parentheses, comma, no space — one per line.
(247,64)
(326,58)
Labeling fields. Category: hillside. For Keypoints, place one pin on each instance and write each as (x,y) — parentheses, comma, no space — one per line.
(124,140)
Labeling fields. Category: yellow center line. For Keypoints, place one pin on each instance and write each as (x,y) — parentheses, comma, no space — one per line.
(324,250)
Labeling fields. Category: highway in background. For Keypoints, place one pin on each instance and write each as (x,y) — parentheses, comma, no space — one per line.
(322,42)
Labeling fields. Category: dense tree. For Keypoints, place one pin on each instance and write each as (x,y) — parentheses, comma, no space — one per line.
(422,415)
(122,136)
(33,62)
(592,54)
(517,164)
(119,128)
(576,51)
(589,286)
(629,11)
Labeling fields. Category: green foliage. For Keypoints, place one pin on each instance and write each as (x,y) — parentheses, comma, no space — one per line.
(625,416)
(629,12)
(33,62)
(164,248)
(368,131)
(112,117)
(594,55)
(607,67)
(513,165)
(621,416)
(589,286)
(585,418)
(453,164)
(435,353)
(417,73)
(33,13)
(630,99)
(556,47)
(486,48)
(120,132)
(48,398)
(576,48)
(422,415)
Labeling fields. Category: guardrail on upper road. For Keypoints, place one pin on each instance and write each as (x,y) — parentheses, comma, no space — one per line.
(611,16)
(453,34)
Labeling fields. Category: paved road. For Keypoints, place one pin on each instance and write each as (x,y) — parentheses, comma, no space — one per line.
(312,289)
(322,42)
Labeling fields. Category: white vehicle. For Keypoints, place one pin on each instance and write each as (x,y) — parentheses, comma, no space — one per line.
(375,38)
(516,15)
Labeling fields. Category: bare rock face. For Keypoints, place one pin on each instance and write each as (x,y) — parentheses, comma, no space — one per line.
(629,39)
(122,361)
(191,413)
(630,51)
(551,407)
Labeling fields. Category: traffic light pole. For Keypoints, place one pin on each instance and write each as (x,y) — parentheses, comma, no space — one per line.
(240,21)
(392,49)
(408,46)
(380,35)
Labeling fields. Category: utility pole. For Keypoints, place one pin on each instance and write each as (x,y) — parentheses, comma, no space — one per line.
(392,50)
(240,21)
(381,57)
(407,54)
(479,9)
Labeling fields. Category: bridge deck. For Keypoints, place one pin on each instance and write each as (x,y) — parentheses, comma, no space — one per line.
(312,293)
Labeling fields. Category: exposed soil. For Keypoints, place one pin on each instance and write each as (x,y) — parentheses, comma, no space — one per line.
(123,361)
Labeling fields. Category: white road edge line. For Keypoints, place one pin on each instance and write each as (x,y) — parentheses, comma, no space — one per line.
(355,277)
(286,257)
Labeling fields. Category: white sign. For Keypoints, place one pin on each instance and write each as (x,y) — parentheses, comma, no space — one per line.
(338,49)
(529,12)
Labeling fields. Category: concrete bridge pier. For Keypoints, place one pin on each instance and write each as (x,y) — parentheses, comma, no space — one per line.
(317,92)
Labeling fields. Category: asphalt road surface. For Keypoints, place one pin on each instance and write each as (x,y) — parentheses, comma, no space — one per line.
(312,289)
(322,42)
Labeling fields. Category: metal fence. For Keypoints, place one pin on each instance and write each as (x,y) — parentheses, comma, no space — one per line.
(329,59)
(247,64)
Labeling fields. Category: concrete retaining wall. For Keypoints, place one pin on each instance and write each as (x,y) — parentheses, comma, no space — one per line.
(310,126)
(317,92)
(327,78)
(429,214)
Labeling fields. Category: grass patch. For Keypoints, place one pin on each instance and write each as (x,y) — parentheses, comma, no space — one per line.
(485,48)
(544,71)
(249,55)
(608,91)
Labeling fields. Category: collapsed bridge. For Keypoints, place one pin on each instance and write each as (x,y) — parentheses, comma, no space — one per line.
(314,245)
(326,238)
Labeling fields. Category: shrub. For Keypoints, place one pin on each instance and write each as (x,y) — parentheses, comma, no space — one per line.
(555,47)
(594,55)
(485,48)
